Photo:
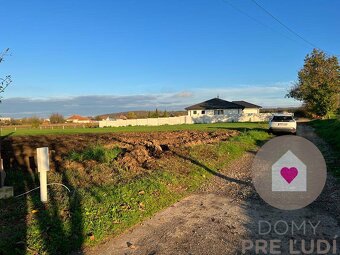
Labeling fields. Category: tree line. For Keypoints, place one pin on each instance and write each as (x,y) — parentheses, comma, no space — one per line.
(35,121)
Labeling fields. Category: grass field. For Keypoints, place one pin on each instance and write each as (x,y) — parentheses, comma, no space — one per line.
(328,130)
(91,213)
(37,131)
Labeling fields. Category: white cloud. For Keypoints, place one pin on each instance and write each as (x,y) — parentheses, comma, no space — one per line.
(266,96)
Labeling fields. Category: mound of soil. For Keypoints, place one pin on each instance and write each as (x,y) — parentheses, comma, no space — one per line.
(141,149)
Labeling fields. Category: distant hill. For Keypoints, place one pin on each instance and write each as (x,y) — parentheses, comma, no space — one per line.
(141,114)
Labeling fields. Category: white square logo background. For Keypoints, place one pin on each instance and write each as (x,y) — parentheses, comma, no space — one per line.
(299,183)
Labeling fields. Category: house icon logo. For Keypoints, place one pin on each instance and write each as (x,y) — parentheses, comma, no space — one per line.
(289,174)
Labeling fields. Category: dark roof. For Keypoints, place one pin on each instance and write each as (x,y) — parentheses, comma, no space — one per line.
(214,103)
(246,104)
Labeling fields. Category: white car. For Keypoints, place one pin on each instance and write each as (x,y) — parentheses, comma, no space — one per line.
(282,123)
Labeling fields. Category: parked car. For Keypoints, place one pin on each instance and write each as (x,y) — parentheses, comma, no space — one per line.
(282,123)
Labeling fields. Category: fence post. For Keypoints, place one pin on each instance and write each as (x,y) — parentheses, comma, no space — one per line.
(43,167)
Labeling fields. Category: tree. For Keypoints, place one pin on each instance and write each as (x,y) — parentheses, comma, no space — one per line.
(318,84)
(165,114)
(98,118)
(155,114)
(56,118)
(131,115)
(34,121)
(4,82)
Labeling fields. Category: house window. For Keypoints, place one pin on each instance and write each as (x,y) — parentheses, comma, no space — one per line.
(203,112)
(194,112)
(218,112)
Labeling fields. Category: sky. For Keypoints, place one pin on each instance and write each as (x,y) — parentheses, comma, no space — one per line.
(96,57)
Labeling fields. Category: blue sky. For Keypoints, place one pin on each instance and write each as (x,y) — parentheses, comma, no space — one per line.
(66,54)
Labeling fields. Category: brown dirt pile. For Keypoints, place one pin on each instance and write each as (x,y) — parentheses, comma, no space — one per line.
(141,149)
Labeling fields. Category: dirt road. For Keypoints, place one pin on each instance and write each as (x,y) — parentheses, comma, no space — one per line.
(225,212)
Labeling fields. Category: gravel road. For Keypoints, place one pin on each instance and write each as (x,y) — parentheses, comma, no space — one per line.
(226,211)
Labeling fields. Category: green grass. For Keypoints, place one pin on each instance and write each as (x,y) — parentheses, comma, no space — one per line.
(92,213)
(97,153)
(37,131)
(328,130)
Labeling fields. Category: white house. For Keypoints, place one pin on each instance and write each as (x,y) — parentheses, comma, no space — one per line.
(219,107)
(5,119)
(211,111)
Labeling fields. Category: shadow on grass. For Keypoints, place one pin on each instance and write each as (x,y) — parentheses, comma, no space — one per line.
(29,226)
(209,170)
(5,136)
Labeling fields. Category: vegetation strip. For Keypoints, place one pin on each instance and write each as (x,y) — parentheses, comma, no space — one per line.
(37,131)
(329,131)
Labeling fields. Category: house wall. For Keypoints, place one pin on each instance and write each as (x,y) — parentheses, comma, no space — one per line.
(79,121)
(251,110)
(5,119)
(198,113)
(242,117)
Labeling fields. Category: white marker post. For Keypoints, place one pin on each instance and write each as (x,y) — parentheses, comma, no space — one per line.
(43,167)
(2,174)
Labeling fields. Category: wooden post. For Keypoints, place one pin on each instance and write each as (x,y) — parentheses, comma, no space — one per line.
(43,167)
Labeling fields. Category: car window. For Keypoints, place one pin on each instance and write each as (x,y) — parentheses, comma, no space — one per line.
(282,118)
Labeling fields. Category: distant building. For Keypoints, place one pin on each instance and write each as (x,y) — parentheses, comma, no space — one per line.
(217,106)
(78,119)
(5,119)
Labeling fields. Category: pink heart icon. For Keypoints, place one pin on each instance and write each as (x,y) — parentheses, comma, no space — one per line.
(289,174)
